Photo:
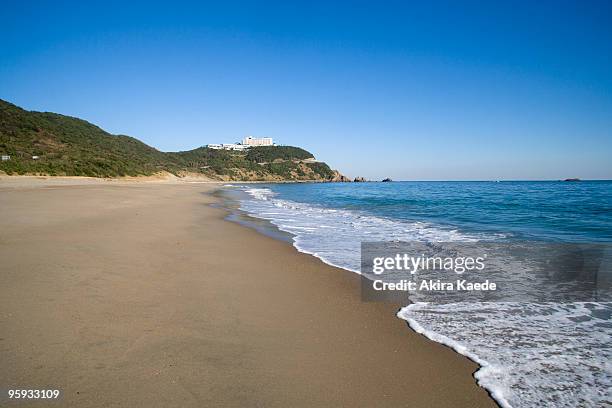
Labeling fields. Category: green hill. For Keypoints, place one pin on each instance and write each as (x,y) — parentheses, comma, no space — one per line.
(68,146)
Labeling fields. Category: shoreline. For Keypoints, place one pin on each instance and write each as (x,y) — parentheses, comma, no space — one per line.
(26,180)
(269,229)
(157,298)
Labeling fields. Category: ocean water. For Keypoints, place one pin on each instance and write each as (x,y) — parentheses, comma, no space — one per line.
(531,354)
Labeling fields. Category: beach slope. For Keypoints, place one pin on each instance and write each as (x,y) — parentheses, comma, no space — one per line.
(141,295)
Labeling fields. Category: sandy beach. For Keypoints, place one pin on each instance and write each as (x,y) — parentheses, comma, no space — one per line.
(134,294)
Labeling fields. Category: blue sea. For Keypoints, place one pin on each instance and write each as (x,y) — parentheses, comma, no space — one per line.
(531,354)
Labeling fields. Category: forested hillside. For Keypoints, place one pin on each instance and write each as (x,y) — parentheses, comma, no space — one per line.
(54,144)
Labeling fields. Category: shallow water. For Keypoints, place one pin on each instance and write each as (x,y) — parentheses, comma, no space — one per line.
(531,354)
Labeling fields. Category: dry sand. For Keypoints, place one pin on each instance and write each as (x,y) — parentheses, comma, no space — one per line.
(141,295)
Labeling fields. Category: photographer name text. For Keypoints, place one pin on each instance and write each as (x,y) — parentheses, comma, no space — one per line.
(430,285)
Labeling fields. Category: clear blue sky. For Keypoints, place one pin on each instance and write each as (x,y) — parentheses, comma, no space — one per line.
(478,90)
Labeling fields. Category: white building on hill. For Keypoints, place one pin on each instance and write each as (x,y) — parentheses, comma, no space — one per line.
(257,141)
(247,142)
(234,146)
(227,146)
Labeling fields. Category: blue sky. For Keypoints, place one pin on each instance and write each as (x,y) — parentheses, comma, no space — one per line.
(443,90)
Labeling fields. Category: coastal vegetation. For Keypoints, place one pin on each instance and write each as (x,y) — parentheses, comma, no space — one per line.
(261,154)
(43,143)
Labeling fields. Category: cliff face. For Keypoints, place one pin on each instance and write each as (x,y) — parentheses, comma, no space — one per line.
(298,172)
(339,178)
(53,144)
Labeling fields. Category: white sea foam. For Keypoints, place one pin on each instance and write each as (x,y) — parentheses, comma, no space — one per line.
(335,235)
(530,354)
